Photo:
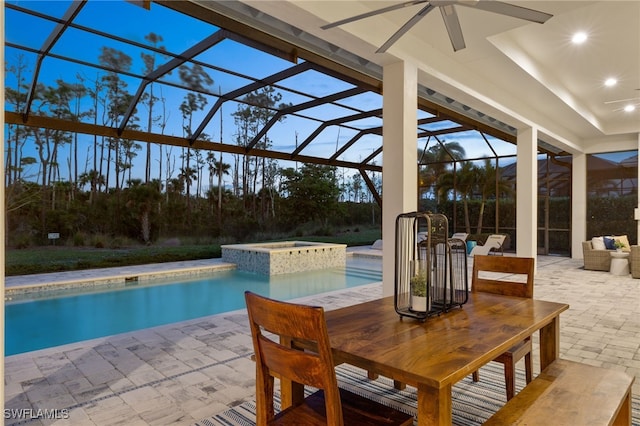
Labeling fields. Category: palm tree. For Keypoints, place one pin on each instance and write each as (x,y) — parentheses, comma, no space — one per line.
(94,179)
(141,199)
(219,168)
(489,185)
(186,177)
(435,159)
(463,181)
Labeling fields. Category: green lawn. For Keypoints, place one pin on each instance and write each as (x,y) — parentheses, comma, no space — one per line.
(35,260)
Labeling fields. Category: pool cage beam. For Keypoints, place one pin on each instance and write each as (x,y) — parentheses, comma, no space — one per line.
(51,40)
(174,63)
(255,38)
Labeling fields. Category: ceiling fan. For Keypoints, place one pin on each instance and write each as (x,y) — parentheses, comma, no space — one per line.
(450,16)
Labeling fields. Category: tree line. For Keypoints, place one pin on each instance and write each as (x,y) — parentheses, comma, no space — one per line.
(103,196)
(96,192)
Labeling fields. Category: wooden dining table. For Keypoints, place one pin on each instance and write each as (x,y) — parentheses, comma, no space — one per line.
(434,354)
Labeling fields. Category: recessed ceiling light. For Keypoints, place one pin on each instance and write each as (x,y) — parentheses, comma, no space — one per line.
(610,82)
(630,108)
(579,37)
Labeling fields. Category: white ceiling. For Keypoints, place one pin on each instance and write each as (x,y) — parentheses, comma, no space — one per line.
(519,72)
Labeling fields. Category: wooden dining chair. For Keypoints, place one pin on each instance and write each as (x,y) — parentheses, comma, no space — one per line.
(515,266)
(274,326)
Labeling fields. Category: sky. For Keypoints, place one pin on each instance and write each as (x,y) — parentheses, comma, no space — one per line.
(179,32)
(132,22)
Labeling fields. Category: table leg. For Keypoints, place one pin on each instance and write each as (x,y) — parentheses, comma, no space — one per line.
(291,393)
(434,405)
(624,417)
(549,343)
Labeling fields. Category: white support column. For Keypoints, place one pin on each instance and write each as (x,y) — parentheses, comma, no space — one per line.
(578,204)
(527,193)
(400,147)
(636,214)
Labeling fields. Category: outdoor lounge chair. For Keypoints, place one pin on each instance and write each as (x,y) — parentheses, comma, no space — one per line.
(460,236)
(494,243)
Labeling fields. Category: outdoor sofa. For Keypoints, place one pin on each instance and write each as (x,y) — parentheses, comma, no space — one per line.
(595,259)
(600,259)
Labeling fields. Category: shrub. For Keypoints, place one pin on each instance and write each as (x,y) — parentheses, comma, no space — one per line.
(98,241)
(79,239)
(22,241)
(116,243)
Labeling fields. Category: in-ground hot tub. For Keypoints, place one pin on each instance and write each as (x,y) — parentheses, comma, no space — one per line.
(285,257)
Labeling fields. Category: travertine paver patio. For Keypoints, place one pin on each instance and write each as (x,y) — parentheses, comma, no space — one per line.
(183,372)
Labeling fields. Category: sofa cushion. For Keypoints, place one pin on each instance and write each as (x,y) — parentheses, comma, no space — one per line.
(598,243)
(624,240)
(609,243)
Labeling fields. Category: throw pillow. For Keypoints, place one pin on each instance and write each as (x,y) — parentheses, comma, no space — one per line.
(624,240)
(609,243)
(598,243)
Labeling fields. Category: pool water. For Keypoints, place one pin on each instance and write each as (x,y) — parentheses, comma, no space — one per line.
(66,318)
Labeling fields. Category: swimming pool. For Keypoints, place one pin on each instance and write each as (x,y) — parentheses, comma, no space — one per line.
(33,324)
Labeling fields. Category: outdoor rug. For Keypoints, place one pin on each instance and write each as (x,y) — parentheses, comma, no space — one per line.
(473,403)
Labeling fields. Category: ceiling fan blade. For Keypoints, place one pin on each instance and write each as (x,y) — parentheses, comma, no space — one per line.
(451,21)
(509,10)
(372,13)
(406,27)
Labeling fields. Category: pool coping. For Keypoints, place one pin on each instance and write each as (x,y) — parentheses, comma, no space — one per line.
(119,276)
(106,277)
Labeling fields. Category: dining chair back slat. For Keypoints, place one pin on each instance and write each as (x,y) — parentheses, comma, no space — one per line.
(505,285)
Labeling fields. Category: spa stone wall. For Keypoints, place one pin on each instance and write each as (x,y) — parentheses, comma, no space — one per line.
(285,257)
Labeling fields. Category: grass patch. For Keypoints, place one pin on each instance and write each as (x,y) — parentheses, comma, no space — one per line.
(36,260)
(56,259)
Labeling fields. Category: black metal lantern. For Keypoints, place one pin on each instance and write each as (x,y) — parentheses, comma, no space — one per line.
(430,268)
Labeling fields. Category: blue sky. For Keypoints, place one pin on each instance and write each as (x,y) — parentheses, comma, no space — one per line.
(179,33)
(134,23)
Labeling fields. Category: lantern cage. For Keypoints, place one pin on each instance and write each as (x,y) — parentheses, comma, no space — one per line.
(430,268)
